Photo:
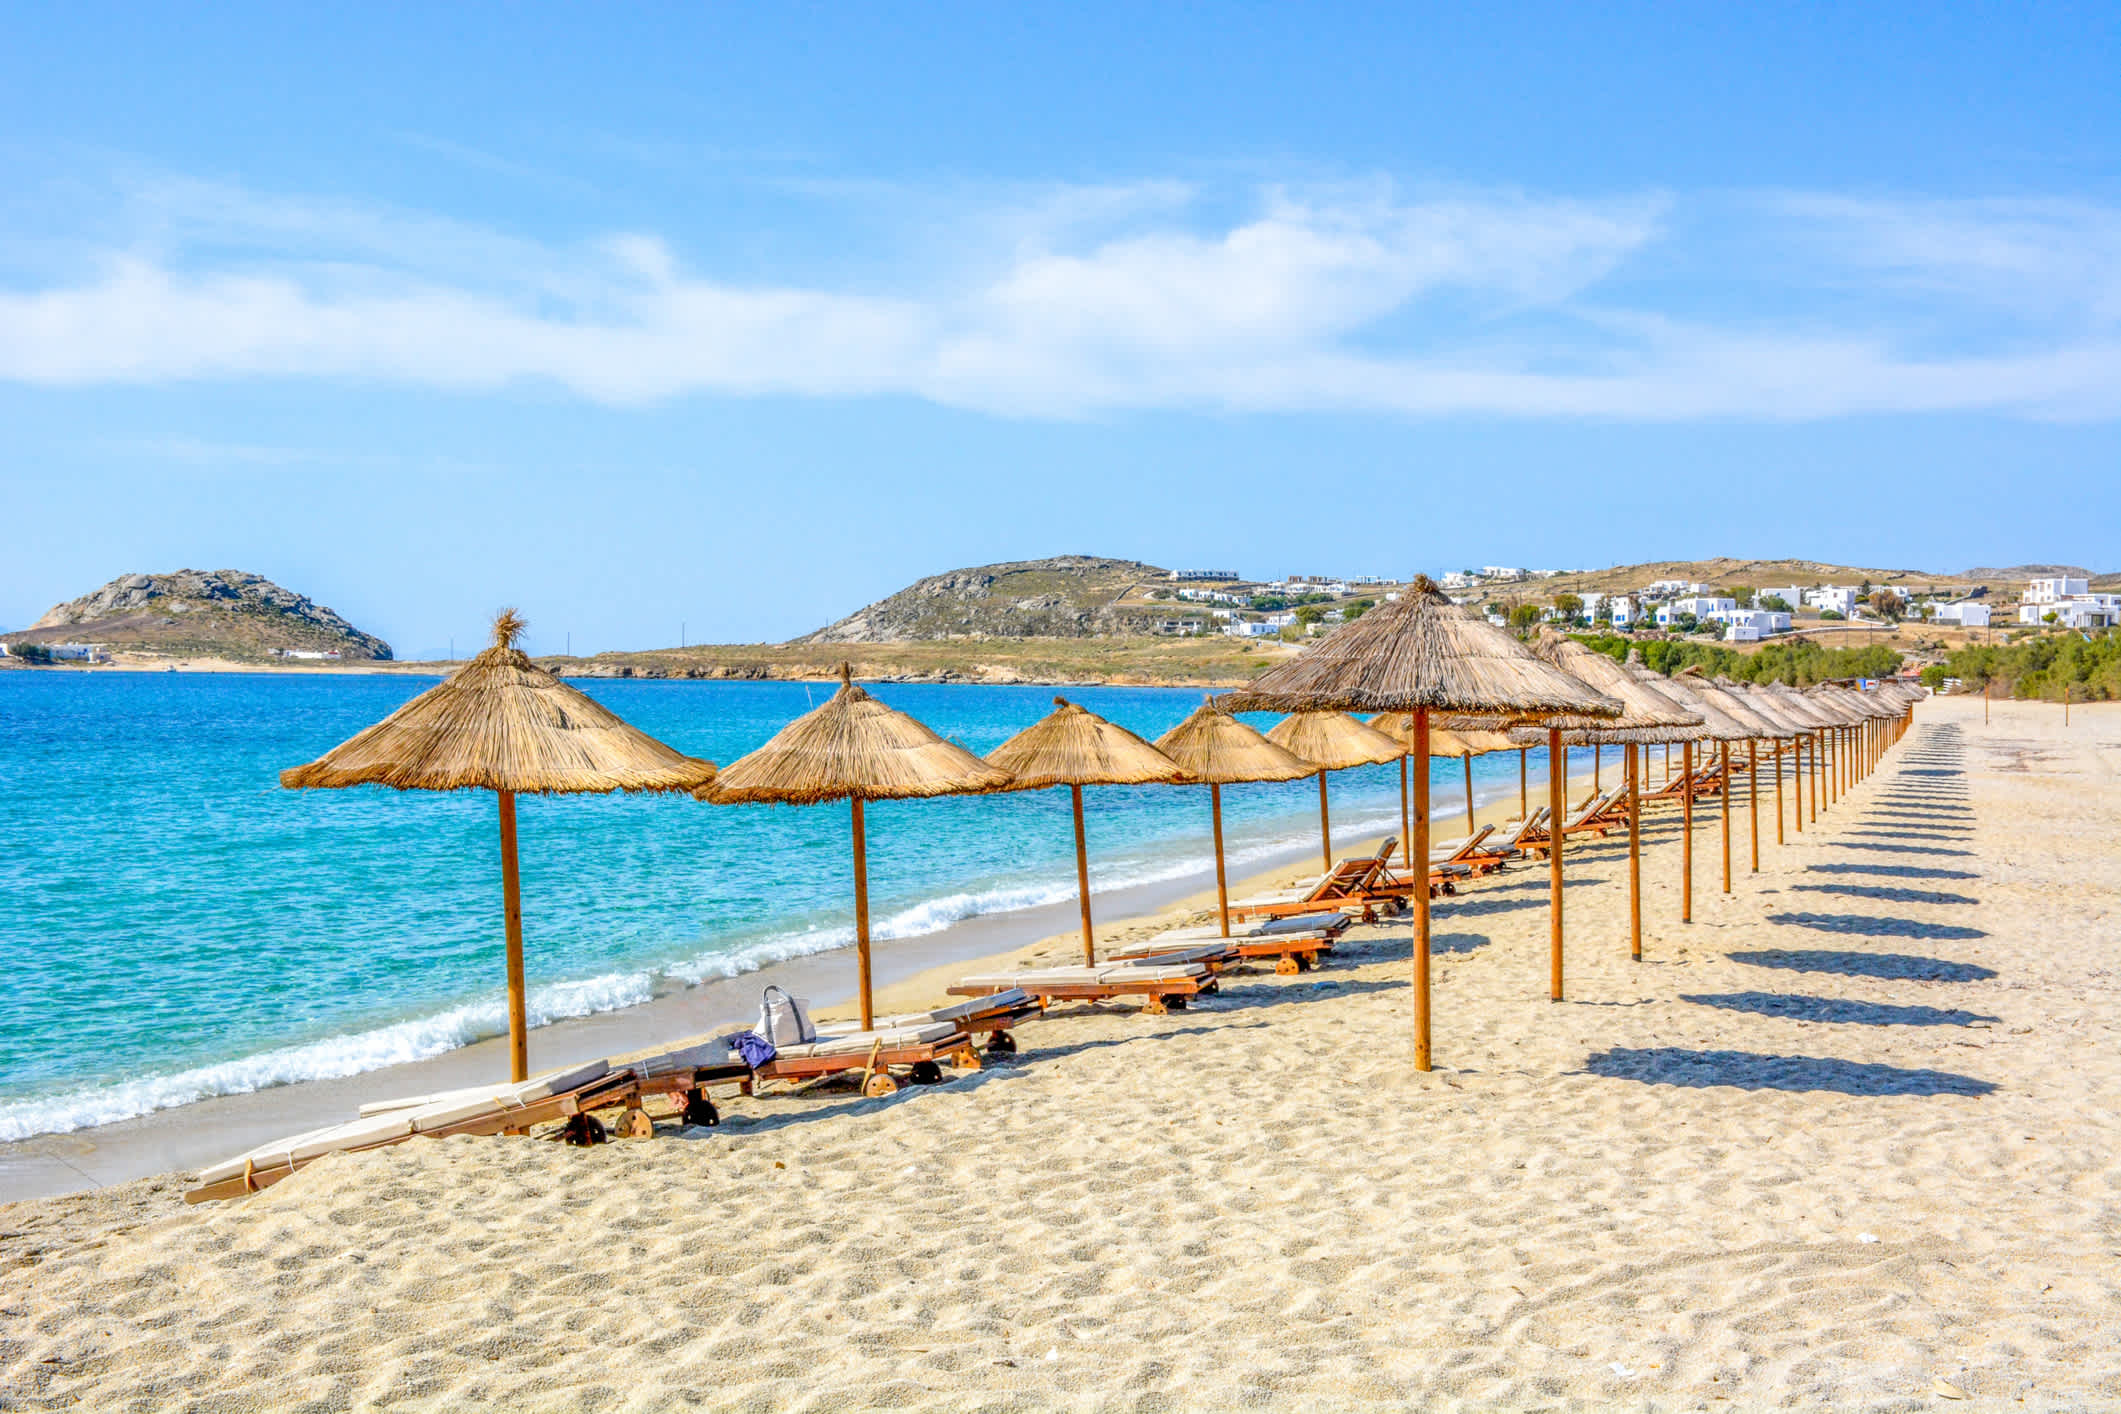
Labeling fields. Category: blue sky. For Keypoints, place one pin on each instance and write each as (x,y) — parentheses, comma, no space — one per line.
(735,319)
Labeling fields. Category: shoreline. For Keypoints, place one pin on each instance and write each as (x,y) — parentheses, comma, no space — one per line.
(910,974)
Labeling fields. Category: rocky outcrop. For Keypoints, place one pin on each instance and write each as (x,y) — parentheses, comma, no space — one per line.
(231,613)
(1066,596)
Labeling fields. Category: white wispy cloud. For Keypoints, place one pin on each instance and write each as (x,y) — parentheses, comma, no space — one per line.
(1066,301)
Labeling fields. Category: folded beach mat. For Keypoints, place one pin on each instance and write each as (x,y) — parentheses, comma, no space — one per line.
(301,1148)
(956,1011)
(856,1043)
(707,1055)
(538,1087)
(1170,956)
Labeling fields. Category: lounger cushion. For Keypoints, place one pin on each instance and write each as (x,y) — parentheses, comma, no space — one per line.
(538,1087)
(300,1148)
(858,1043)
(957,1011)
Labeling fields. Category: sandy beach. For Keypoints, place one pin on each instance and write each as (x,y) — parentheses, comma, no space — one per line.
(1846,1140)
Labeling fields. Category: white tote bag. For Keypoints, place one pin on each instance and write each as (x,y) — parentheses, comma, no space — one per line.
(785,1020)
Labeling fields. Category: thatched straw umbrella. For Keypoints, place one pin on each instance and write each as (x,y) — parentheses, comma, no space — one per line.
(504,724)
(1649,717)
(1214,748)
(1333,741)
(1075,747)
(1420,653)
(1718,726)
(854,748)
(1766,703)
(1814,720)
(1755,730)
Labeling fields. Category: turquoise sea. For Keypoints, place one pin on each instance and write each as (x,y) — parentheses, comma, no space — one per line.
(174,925)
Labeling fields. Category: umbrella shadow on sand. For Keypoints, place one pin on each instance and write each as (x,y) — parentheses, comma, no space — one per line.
(1887,966)
(1837,1010)
(1869,925)
(1749,1070)
(1885,893)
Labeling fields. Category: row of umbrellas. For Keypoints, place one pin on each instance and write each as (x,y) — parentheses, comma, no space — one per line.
(1440,681)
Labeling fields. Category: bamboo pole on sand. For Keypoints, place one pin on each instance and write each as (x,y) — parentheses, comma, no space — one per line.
(1634,753)
(1556,800)
(1222,884)
(1421,888)
(1082,875)
(1752,800)
(512,913)
(1723,750)
(861,913)
(1686,811)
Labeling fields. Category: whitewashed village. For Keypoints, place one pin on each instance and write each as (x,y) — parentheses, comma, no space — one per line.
(1298,606)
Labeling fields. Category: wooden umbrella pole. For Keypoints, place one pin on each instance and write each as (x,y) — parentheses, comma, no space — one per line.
(1723,750)
(1779,750)
(1817,736)
(1634,851)
(1797,781)
(1524,799)
(861,914)
(1556,800)
(512,916)
(1597,767)
(1222,887)
(1406,820)
(1686,813)
(1560,773)
(1325,823)
(1082,875)
(1418,879)
(1469,792)
(1752,800)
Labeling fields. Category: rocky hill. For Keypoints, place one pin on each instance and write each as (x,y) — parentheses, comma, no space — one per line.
(1068,596)
(231,614)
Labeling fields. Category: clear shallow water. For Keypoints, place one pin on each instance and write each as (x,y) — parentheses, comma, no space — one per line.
(174,925)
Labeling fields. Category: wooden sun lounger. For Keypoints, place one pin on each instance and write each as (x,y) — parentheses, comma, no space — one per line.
(1501,850)
(1347,886)
(1293,950)
(1161,987)
(920,1048)
(991,1016)
(482,1110)
(1586,820)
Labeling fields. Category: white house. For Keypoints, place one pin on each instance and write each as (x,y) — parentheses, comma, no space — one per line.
(1623,610)
(1750,625)
(2054,591)
(1213,576)
(1701,606)
(1249,628)
(1790,594)
(1841,599)
(1967,613)
(1500,572)
(1459,579)
(2079,611)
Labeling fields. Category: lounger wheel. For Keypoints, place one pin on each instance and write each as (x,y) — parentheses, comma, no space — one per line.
(1176,1003)
(927,1073)
(877,1086)
(1450,889)
(700,1110)
(637,1125)
(1286,967)
(583,1130)
(966,1058)
(1001,1043)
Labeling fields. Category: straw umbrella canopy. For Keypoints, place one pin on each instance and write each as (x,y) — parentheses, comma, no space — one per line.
(1075,747)
(1420,653)
(1213,747)
(1333,741)
(502,723)
(854,748)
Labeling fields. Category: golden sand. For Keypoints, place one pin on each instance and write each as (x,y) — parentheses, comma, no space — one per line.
(1846,1141)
